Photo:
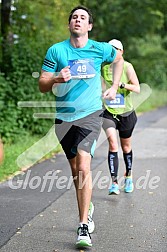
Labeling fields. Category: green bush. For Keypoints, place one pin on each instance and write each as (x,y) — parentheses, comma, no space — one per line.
(18,86)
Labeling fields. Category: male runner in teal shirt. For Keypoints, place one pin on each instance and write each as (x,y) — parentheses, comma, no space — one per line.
(73,68)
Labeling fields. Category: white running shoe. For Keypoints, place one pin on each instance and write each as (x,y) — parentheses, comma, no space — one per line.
(91,224)
(84,239)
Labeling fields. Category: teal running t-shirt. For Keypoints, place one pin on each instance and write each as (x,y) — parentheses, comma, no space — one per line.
(81,95)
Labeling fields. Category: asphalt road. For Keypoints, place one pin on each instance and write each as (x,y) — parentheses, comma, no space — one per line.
(38,215)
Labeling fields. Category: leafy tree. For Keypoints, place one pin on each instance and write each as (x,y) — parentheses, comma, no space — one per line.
(6,36)
(123,19)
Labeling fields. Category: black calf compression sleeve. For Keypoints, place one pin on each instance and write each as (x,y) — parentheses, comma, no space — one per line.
(128,158)
(113,164)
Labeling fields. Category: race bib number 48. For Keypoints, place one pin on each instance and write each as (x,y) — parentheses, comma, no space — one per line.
(118,102)
(82,69)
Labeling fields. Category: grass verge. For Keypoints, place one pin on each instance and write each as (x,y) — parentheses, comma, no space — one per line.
(158,98)
(9,165)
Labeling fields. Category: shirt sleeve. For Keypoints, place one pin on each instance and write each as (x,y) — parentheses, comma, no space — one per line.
(109,53)
(50,64)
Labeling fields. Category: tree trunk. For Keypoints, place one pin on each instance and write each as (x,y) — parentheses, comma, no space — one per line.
(6,35)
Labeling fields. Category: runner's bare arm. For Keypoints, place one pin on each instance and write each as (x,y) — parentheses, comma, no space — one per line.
(48,79)
(133,84)
(117,68)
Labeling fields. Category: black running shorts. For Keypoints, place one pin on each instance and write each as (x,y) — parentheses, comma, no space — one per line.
(123,123)
(80,134)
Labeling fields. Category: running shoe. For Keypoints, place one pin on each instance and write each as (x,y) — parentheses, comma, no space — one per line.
(114,189)
(91,224)
(84,239)
(128,187)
